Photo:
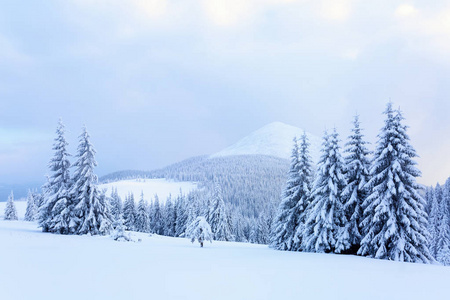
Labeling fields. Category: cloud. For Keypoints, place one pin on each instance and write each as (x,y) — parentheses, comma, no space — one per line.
(336,10)
(406,10)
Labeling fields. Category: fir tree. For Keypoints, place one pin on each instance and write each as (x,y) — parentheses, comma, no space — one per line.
(157,225)
(326,217)
(299,212)
(32,209)
(182,216)
(285,223)
(91,205)
(199,230)
(116,204)
(443,226)
(218,217)
(129,213)
(142,218)
(434,219)
(10,209)
(395,222)
(56,214)
(169,217)
(357,173)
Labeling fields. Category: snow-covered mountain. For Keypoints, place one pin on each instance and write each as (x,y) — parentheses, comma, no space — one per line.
(274,139)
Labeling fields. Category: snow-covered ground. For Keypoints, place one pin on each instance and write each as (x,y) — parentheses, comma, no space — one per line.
(162,187)
(36,265)
(274,139)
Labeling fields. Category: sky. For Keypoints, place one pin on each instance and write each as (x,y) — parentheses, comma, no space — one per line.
(159,81)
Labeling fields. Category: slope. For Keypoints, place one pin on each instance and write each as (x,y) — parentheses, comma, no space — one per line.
(36,265)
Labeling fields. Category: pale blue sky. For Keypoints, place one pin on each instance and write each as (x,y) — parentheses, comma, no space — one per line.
(158,81)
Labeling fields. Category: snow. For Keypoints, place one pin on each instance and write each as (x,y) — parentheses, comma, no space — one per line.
(150,187)
(36,265)
(274,139)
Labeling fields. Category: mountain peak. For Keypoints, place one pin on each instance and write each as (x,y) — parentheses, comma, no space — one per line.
(274,139)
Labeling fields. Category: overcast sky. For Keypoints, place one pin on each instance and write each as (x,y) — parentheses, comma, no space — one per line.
(159,81)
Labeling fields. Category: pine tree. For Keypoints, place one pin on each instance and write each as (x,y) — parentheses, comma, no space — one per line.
(443,226)
(298,214)
(129,213)
(199,230)
(285,223)
(116,204)
(157,225)
(326,217)
(395,222)
(182,216)
(357,174)
(56,214)
(91,205)
(10,209)
(434,219)
(169,217)
(219,218)
(32,209)
(142,218)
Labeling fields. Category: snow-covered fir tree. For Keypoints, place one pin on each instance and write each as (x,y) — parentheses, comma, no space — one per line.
(182,215)
(199,230)
(443,228)
(218,217)
(56,214)
(169,217)
(434,219)
(129,212)
(394,222)
(91,205)
(357,173)
(32,208)
(326,217)
(10,209)
(299,212)
(142,219)
(116,204)
(156,218)
(285,222)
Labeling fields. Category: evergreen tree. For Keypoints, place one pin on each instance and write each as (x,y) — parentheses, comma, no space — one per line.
(157,225)
(169,217)
(443,233)
(326,217)
(116,204)
(91,205)
(142,218)
(10,209)
(298,214)
(182,216)
(285,223)
(434,219)
(32,209)
(199,230)
(56,214)
(219,218)
(357,173)
(129,213)
(394,212)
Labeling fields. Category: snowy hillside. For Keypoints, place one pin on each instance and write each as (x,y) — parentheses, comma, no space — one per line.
(162,187)
(274,139)
(36,265)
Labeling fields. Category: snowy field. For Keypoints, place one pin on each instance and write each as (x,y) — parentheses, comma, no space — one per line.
(36,265)
(150,187)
